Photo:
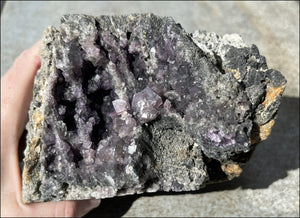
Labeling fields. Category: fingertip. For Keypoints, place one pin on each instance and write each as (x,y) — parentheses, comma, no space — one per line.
(33,55)
(26,64)
(36,46)
(95,202)
(85,206)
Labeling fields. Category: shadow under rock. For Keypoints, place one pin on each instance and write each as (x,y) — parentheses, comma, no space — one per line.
(113,207)
(270,162)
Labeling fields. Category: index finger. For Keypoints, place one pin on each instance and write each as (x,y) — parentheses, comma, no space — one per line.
(16,90)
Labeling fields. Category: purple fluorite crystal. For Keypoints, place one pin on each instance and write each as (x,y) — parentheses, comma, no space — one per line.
(146,104)
(131,104)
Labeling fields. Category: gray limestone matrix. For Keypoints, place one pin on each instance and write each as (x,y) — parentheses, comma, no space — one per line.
(133,104)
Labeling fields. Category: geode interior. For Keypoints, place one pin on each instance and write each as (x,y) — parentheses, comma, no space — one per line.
(132,104)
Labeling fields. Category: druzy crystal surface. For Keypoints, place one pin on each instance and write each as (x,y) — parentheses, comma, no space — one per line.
(132,104)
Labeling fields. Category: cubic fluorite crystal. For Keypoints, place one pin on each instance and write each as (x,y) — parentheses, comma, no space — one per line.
(132,104)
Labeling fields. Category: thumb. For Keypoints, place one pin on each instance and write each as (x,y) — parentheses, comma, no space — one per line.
(85,206)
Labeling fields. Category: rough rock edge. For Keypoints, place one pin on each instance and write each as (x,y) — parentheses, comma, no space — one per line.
(36,118)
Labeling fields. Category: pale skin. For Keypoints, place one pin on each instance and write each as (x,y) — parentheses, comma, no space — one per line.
(16,94)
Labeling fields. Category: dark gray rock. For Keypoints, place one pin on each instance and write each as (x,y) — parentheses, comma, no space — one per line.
(132,104)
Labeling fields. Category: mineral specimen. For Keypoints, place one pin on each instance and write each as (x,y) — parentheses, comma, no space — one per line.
(132,104)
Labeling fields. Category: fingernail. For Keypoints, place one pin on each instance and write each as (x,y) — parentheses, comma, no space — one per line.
(95,202)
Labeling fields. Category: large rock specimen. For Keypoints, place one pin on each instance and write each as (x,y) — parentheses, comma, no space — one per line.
(132,104)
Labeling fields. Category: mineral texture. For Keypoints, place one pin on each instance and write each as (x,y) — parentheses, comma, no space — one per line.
(132,104)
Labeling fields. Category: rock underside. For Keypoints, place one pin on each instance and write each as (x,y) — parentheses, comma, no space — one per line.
(133,104)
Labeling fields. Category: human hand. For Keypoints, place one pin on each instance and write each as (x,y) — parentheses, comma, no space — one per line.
(16,94)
